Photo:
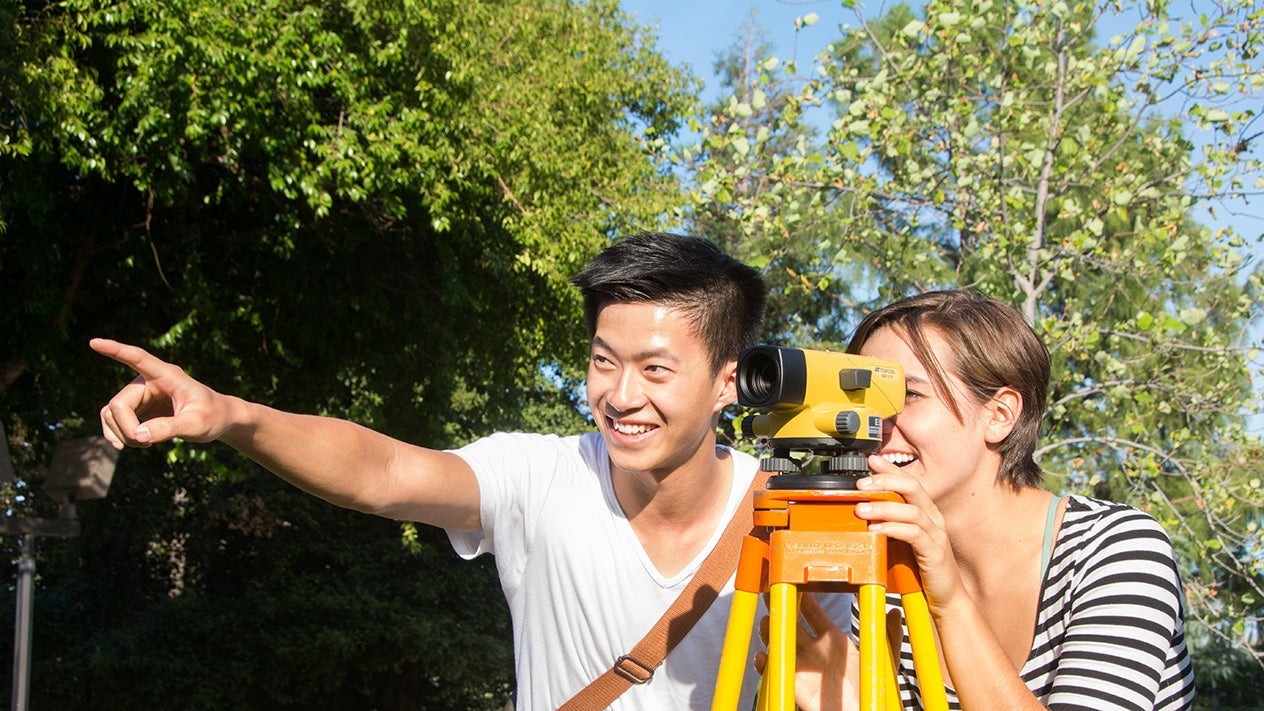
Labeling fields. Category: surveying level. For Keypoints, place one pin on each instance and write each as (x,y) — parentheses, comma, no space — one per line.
(807,537)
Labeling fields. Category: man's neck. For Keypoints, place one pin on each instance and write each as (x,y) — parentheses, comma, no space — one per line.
(675,515)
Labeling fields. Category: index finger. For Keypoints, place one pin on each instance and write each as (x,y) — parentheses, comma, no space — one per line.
(134,357)
(885,476)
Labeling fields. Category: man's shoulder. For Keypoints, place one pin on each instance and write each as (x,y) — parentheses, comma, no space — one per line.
(745,466)
(514,450)
(519,440)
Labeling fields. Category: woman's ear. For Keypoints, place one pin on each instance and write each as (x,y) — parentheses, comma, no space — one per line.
(1003,409)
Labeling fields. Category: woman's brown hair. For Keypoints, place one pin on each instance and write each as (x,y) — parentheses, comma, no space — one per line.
(991,346)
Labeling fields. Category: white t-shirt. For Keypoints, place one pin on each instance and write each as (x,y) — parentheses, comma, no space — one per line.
(580,587)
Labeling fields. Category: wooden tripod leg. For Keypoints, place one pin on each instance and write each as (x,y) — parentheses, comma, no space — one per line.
(873,645)
(728,685)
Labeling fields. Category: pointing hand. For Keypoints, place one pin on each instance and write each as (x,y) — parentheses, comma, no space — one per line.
(160,404)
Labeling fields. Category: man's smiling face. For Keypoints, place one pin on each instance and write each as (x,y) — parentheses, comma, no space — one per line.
(651,389)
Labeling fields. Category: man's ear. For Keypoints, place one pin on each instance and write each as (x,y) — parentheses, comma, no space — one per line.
(727,378)
(1003,411)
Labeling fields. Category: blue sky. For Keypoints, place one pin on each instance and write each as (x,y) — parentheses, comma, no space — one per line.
(693,31)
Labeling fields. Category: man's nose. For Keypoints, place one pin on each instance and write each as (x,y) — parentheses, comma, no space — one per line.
(627,393)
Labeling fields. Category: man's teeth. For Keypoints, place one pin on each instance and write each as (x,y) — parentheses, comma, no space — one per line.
(631,429)
(898,457)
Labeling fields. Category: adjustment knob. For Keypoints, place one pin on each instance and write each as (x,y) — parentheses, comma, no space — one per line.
(778,465)
(848,464)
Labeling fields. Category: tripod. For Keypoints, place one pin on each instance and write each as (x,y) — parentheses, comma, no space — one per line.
(816,543)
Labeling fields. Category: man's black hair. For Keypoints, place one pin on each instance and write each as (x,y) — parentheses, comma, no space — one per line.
(723,298)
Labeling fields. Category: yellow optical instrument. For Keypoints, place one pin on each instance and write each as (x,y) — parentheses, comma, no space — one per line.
(817,401)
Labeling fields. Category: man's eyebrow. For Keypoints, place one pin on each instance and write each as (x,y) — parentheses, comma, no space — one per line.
(646,354)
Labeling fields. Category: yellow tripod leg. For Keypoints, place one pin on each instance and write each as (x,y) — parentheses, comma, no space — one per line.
(783,619)
(890,691)
(728,685)
(873,634)
(763,702)
(930,677)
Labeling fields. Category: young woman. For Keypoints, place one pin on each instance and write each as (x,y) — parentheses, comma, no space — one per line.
(1038,601)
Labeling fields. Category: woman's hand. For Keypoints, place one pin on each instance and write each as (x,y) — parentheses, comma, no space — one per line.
(916,521)
(823,680)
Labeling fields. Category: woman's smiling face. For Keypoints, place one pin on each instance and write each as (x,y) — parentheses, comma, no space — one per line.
(926,438)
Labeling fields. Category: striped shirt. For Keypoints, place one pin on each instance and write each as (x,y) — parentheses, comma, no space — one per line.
(1110,630)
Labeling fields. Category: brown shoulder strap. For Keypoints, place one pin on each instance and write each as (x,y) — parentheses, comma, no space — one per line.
(638,665)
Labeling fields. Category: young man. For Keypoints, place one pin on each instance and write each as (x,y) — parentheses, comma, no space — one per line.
(595,535)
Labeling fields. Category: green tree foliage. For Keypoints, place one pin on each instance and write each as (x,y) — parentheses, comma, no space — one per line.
(365,209)
(741,165)
(187,591)
(1018,149)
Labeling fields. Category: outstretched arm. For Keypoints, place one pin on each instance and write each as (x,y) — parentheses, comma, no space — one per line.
(339,461)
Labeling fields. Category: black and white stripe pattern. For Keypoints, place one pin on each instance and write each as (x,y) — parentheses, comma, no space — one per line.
(1110,632)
